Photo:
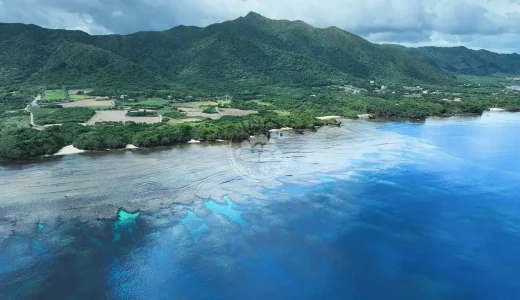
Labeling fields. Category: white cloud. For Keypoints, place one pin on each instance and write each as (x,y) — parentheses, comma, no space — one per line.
(117,13)
(476,23)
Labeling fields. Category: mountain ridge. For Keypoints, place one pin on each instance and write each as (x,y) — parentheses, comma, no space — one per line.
(250,51)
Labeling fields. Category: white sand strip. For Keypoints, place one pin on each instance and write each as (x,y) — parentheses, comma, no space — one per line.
(68,150)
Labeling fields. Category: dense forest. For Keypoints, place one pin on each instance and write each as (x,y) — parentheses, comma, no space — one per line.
(245,53)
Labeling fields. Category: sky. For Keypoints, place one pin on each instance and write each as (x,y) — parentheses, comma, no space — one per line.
(479,24)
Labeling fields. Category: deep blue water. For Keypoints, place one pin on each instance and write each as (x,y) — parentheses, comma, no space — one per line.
(439,222)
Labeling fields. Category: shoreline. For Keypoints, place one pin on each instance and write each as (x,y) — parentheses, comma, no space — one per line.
(71,150)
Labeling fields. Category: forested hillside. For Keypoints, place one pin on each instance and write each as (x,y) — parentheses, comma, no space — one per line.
(246,52)
(462,60)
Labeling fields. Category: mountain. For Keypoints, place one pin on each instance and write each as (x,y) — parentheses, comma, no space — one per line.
(462,60)
(251,51)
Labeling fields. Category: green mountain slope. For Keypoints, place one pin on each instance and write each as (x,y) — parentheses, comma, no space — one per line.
(250,51)
(462,60)
(84,65)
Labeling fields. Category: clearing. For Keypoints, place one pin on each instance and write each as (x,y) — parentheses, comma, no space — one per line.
(260,102)
(224,102)
(156,102)
(120,116)
(44,116)
(90,103)
(195,104)
(195,110)
(235,112)
(79,97)
(54,95)
(282,113)
(75,92)
(17,121)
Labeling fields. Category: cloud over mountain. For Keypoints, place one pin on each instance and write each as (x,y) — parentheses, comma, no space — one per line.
(475,23)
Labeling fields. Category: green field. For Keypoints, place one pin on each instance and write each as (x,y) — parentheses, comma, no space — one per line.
(18,122)
(282,113)
(53,95)
(43,116)
(157,102)
(79,97)
(223,102)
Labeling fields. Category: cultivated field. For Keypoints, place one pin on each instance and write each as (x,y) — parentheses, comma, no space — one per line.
(75,92)
(89,103)
(53,95)
(236,112)
(197,112)
(79,97)
(195,104)
(146,103)
(120,116)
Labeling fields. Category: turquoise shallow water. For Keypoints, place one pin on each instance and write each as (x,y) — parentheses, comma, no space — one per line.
(437,218)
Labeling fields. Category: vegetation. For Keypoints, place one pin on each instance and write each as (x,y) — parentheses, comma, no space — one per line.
(289,72)
(243,53)
(45,116)
(79,97)
(174,114)
(24,143)
(143,113)
(462,60)
(55,95)
(210,110)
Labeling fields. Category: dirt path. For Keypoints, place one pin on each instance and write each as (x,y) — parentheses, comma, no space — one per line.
(31,116)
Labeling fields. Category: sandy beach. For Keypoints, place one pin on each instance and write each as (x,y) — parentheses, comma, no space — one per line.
(68,150)
(328,117)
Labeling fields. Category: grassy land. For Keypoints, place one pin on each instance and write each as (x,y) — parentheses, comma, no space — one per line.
(282,113)
(53,95)
(18,122)
(260,102)
(209,110)
(171,112)
(45,116)
(224,102)
(79,97)
(102,107)
(155,102)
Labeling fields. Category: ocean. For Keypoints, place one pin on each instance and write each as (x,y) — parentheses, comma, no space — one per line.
(369,210)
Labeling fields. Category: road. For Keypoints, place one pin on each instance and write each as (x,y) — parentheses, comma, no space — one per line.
(34,103)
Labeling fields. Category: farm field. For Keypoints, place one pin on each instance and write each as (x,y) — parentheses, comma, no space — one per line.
(146,103)
(79,97)
(53,95)
(195,104)
(120,116)
(197,112)
(224,102)
(235,112)
(75,92)
(89,103)
(43,116)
